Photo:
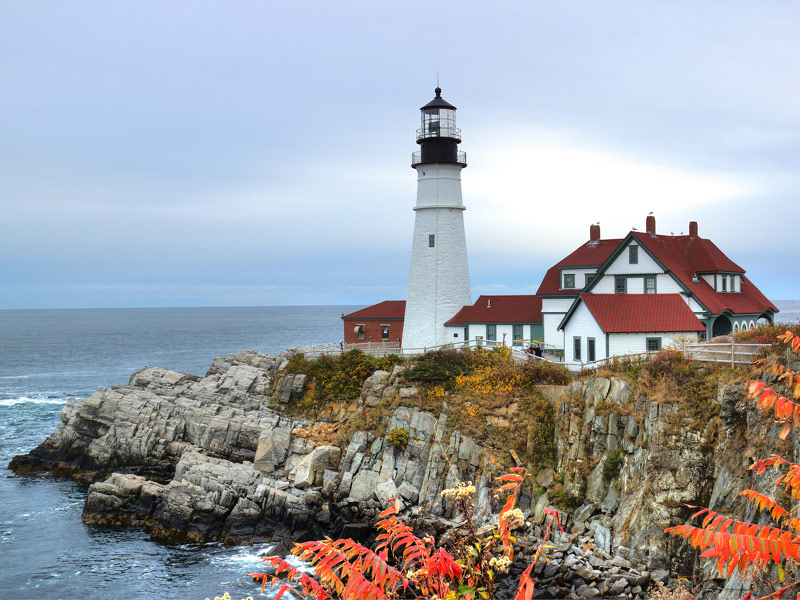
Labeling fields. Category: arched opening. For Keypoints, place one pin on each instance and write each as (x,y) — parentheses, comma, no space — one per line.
(722,326)
(735,327)
(766,318)
(752,324)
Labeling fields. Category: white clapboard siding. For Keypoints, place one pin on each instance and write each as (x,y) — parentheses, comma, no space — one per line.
(583,325)
(622,266)
(628,343)
(550,324)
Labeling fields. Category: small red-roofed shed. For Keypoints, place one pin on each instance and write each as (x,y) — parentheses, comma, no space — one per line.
(381,322)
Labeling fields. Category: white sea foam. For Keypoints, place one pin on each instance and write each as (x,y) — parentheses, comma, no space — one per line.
(15,376)
(26,400)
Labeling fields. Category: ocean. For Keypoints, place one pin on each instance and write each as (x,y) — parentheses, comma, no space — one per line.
(47,356)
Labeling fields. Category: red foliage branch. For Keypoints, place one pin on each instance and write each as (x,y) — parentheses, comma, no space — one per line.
(739,545)
(785,375)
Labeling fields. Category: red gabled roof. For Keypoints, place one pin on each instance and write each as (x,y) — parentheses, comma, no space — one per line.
(591,254)
(685,256)
(500,309)
(641,313)
(388,309)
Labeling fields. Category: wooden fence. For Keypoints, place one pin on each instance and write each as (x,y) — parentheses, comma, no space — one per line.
(730,353)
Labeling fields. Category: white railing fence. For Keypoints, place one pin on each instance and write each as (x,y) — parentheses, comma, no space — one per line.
(387,348)
(729,353)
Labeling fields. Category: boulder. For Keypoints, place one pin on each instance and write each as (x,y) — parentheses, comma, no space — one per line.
(363,486)
(273,445)
(309,471)
(545,477)
(384,491)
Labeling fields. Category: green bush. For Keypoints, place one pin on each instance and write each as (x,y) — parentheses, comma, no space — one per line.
(613,465)
(443,366)
(398,438)
(336,378)
(537,372)
(541,429)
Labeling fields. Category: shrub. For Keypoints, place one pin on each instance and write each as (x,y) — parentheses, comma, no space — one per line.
(747,547)
(338,377)
(398,438)
(541,429)
(444,366)
(537,372)
(768,334)
(405,565)
(613,465)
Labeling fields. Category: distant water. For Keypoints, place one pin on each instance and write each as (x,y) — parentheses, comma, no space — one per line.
(789,311)
(47,356)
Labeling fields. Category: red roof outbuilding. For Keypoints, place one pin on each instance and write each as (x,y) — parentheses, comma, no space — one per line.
(500,309)
(388,309)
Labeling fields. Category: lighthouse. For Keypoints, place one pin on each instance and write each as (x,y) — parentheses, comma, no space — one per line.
(438,284)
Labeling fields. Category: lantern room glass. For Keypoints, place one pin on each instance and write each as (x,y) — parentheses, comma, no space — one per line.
(439,122)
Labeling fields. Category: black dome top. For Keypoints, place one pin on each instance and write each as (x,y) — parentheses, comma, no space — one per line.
(438,101)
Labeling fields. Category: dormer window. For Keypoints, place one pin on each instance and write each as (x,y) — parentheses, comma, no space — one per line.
(633,255)
(569,281)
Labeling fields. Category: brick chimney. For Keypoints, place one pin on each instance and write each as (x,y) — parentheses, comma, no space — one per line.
(651,224)
(594,233)
(693,228)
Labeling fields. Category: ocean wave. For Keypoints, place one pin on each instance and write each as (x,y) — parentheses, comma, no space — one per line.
(26,400)
(15,376)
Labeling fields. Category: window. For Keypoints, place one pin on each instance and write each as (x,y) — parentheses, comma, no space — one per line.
(384,332)
(576,349)
(653,344)
(569,281)
(516,332)
(588,280)
(360,332)
(590,355)
(431,241)
(724,283)
(491,333)
(466,333)
(620,285)
(633,255)
(649,285)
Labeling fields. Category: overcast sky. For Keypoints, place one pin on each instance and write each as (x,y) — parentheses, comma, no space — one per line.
(258,153)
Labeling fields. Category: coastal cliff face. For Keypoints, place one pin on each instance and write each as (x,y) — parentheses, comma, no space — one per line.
(638,463)
(219,458)
(223,457)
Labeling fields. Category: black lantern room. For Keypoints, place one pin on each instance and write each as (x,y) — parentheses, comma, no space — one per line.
(438,137)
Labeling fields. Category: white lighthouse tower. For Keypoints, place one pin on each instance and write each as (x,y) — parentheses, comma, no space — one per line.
(438,285)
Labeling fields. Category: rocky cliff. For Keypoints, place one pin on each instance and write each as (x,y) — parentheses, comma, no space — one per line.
(225,457)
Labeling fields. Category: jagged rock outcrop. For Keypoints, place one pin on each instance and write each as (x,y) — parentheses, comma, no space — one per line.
(222,457)
(637,463)
(218,458)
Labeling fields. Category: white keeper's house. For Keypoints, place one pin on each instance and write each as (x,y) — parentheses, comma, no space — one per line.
(621,296)
(607,298)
